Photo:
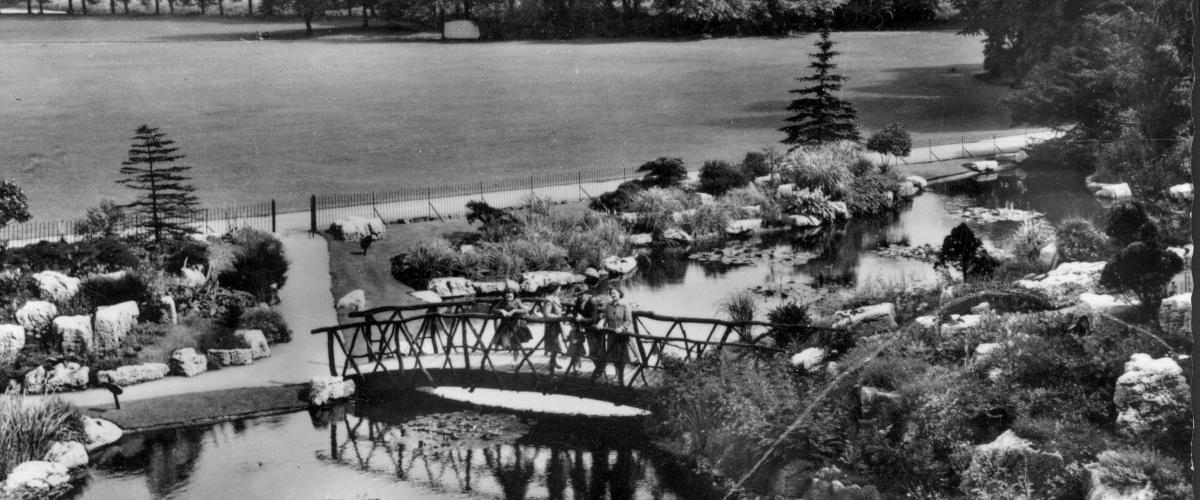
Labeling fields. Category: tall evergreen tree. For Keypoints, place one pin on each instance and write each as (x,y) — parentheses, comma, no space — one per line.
(820,115)
(166,202)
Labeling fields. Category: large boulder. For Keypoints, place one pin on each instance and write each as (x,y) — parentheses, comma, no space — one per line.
(192,278)
(1048,255)
(1102,484)
(804,221)
(917,181)
(230,357)
(1064,284)
(1182,192)
(1175,314)
(322,390)
(706,199)
(69,454)
(100,433)
(493,287)
(536,280)
(75,332)
(840,210)
(883,315)
(426,296)
(354,301)
(1016,157)
(37,317)
(620,265)
(953,323)
(113,323)
(12,339)
(56,286)
(354,229)
(1105,303)
(256,341)
(1114,191)
(743,227)
(187,362)
(133,374)
(907,189)
(641,239)
(1010,465)
(37,479)
(65,376)
(983,166)
(808,359)
(1150,395)
(676,235)
(447,288)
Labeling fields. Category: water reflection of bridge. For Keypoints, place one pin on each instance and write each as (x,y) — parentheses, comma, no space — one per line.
(451,343)
(547,469)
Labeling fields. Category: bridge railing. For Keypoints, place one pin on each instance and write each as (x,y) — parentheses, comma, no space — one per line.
(456,338)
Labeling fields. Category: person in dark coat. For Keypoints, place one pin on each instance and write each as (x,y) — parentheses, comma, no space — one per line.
(511,330)
(552,307)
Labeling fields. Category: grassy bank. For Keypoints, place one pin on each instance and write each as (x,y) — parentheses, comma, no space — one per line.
(200,408)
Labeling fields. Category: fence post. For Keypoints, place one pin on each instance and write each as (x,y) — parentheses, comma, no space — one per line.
(428,202)
(531,195)
(312,213)
(930,150)
(579,185)
(272,215)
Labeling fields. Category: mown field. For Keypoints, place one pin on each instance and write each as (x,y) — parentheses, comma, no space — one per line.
(281,119)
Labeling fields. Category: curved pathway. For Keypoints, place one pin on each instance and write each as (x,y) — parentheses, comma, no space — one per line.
(305,302)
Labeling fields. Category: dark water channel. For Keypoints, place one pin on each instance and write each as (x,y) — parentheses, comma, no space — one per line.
(843,256)
(431,450)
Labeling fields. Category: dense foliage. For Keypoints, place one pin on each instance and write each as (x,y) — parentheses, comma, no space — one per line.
(14,207)
(107,220)
(663,172)
(891,140)
(718,177)
(1143,270)
(962,250)
(259,265)
(28,428)
(79,258)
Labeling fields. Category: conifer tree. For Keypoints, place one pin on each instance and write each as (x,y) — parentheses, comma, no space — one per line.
(820,115)
(166,203)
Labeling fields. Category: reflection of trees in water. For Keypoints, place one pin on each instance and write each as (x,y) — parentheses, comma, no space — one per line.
(999,190)
(663,266)
(165,458)
(510,470)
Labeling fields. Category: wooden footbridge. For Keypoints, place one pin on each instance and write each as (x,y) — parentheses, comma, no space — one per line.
(451,344)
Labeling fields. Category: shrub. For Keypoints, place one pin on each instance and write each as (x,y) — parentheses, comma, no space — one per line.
(663,172)
(488,216)
(825,167)
(655,208)
(259,265)
(105,221)
(29,426)
(1143,270)
(618,200)
(79,258)
(717,177)
(1079,240)
(426,259)
(891,140)
(1131,469)
(187,253)
(512,257)
(103,291)
(808,202)
(962,250)
(789,313)
(740,307)
(710,220)
(272,324)
(1128,222)
(756,164)
(1027,242)
(861,167)
(872,194)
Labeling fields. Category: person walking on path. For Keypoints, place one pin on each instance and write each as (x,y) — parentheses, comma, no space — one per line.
(552,308)
(511,330)
(618,317)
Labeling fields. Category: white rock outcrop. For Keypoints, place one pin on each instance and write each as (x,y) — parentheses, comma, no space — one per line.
(983,166)
(706,199)
(355,300)
(36,479)
(953,324)
(37,317)
(1016,157)
(809,358)
(1010,460)
(69,454)
(426,296)
(619,265)
(1119,191)
(881,314)
(1149,393)
(230,357)
(187,362)
(100,433)
(1105,303)
(56,286)
(906,189)
(112,323)
(1067,281)
(133,374)
(322,390)
(493,287)
(1048,255)
(256,341)
(451,287)
(917,181)
(12,340)
(1181,192)
(354,229)
(75,333)
(676,235)
(743,227)
(537,280)
(641,239)
(804,221)
(65,376)
(168,303)
(192,278)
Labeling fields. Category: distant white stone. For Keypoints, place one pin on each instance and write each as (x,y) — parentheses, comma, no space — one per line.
(113,323)
(56,286)
(1114,191)
(840,210)
(786,188)
(451,287)
(133,374)
(1148,393)
(983,166)
(168,303)
(192,278)
(706,199)
(36,479)
(641,239)
(1066,281)
(230,357)
(620,265)
(676,235)
(76,335)
(460,29)
(493,287)
(188,362)
(100,432)
(69,454)
(1104,303)
(808,359)
(804,221)
(982,308)
(1181,192)
(65,376)
(12,339)
(37,316)
(254,340)
(743,226)
(750,211)
(884,314)
(907,189)
(533,281)
(426,296)
(354,229)
(917,181)
(322,390)
(354,301)
(1048,255)
(1017,157)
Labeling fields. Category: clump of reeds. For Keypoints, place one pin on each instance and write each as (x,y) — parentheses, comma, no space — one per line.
(28,427)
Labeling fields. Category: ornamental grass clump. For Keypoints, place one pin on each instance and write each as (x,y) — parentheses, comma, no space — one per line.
(740,307)
(1079,240)
(710,220)
(825,167)
(1026,243)
(29,426)
(655,208)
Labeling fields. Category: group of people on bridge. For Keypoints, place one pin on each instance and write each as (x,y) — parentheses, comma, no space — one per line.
(599,328)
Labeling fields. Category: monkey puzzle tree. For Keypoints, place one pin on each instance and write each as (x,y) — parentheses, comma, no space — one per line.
(166,203)
(820,115)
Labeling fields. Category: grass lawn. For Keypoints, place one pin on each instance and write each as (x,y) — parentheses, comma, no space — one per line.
(281,119)
(167,411)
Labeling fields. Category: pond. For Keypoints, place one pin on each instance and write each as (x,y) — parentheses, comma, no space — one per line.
(424,449)
(844,256)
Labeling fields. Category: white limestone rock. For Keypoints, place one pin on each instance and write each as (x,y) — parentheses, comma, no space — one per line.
(451,287)
(133,374)
(230,357)
(641,239)
(188,362)
(1105,303)
(354,301)
(983,166)
(1149,393)
(1100,486)
(907,189)
(537,280)
(36,479)
(804,221)
(100,433)
(1184,252)
(113,323)
(322,390)
(76,334)
(986,350)
(254,340)
(917,181)
(12,339)
(1009,460)
(62,377)
(676,235)
(629,217)
(982,308)
(1182,192)
(620,265)
(840,210)
(494,287)
(882,314)
(1016,157)
(37,317)
(426,296)
(1119,191)
(786,188)
(168,303)
(1066,282)
(69,454)
(354,229)
(743,227)
(706,199)
(750,211)
(1048,255)
(809,358)
(875,401)
(192,278)
(56,286)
